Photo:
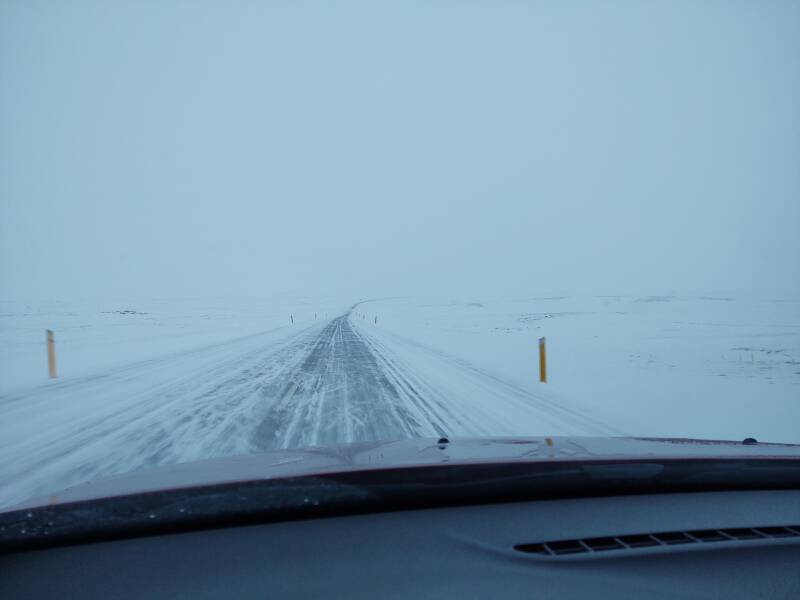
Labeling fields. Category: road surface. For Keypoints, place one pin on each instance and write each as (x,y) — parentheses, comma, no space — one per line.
(328,383)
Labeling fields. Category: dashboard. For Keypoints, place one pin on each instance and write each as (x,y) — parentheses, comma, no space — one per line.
(738,544)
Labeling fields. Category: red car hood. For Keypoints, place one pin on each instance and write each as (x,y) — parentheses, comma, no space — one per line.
(407,453)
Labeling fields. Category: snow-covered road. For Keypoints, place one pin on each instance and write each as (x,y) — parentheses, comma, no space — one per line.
(345,391)
(331,382)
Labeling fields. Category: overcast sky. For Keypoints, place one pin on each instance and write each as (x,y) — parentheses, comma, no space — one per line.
(156,148)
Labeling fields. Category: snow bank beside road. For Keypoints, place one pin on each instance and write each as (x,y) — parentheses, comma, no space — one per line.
(93,336)
(656,365)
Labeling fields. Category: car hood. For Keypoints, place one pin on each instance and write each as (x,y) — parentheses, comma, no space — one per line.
(406,453)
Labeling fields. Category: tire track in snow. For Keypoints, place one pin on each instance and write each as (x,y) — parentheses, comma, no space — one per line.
(339,393)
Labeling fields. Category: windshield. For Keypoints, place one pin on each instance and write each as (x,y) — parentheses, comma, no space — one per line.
(228,229)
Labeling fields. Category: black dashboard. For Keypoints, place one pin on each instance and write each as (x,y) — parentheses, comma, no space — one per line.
(734,544)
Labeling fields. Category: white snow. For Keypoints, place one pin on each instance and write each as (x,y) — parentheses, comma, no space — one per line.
(181,380)
(708,367)
(93,336)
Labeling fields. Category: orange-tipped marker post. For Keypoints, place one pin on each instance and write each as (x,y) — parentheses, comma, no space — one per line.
(542,361)
(51,355)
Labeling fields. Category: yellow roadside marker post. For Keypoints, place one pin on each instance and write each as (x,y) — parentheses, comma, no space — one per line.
(542,361)
(51,355)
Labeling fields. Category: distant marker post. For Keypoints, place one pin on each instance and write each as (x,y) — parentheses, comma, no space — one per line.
(542,361)
(51,355)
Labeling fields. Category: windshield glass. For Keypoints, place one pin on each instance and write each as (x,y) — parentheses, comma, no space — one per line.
(233,228)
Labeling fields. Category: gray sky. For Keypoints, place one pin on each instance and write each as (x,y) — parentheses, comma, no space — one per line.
(181,148)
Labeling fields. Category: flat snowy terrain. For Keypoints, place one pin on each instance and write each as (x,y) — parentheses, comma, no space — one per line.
(148,383)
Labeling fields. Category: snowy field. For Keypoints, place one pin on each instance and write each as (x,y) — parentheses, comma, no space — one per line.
(94,336)
(145,383)
(712,367)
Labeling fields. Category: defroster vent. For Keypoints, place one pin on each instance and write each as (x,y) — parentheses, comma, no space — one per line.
(666,538)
